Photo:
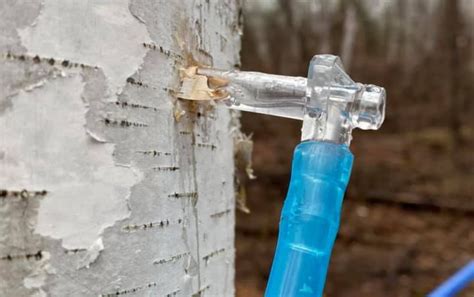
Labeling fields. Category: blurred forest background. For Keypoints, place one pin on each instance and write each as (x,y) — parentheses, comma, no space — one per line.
(408,218)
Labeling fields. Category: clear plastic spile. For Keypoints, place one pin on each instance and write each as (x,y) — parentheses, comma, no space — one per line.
(277,95)
(329,102)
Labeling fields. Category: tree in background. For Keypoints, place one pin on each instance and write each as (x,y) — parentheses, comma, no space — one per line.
(409,47)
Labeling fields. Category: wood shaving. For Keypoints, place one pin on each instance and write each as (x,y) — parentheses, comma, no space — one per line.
(200,87)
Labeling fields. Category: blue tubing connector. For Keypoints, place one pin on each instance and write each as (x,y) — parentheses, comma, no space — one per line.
(455,283)
(310,219)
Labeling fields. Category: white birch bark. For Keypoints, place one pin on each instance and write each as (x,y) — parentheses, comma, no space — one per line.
(108,185)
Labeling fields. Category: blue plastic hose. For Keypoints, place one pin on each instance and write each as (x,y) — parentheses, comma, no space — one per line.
(455,283)
(310,219)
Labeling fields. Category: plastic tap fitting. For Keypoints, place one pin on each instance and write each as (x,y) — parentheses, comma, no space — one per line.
(330,104)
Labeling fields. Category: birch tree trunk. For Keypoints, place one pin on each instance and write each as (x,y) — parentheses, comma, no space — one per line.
(108,185)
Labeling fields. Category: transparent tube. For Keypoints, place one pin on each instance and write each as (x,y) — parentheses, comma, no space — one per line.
(277,95)
(310,219)
(329,102)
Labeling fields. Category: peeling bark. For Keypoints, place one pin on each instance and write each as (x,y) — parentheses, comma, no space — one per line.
(103,192)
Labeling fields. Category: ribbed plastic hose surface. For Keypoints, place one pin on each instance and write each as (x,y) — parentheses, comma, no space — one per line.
(310,219)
